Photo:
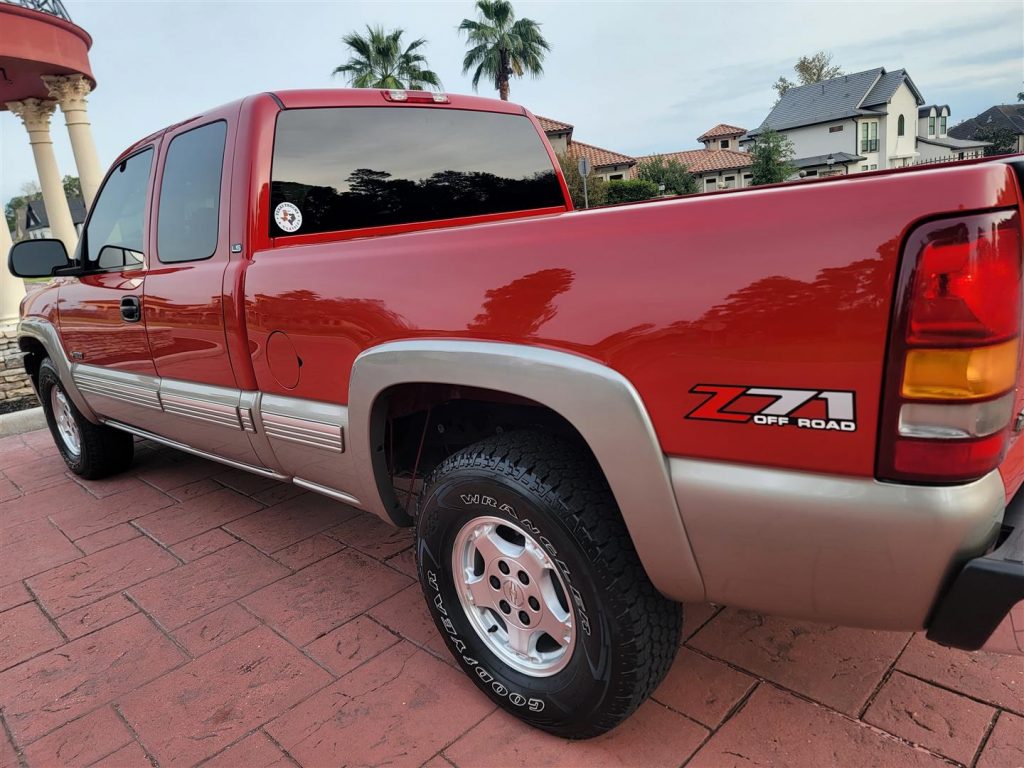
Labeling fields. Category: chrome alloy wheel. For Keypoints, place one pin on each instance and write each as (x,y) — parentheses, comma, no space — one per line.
(67,428)
(514,596)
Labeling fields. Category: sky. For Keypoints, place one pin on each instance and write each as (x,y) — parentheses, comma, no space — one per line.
(635,77)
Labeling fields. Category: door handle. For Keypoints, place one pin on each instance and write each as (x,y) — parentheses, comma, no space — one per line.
(131,309)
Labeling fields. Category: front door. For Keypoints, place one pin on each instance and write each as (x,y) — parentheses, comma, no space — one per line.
(101,322)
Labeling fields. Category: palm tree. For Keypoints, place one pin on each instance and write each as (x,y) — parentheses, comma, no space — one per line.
(378,61)
(502,46)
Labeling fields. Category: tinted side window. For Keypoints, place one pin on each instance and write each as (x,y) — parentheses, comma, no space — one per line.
(349,168)
(186,224)
(115,235)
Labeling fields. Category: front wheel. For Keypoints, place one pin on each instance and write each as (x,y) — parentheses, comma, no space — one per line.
(533,581)
(90,450)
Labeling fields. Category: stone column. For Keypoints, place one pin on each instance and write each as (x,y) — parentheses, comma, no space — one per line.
(35,114)
(11,288)
(70,92)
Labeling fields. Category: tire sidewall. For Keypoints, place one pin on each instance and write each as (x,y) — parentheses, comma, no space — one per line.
(48,379)
(580,688)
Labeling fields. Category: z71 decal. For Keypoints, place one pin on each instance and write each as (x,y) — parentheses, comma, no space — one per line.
(821,409)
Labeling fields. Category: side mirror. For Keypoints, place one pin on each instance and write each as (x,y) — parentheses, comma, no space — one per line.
(37,258)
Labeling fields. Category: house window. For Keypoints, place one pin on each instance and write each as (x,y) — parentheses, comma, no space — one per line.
(615,177)
(835,128)
(864,168)
(874,166)
(942,125)
(710,183)
(730,182)
(931,126)
(961,156)
(901,126)
(723,144)
(869,137)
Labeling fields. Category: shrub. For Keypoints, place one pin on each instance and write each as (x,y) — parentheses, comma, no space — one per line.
(630,191)
(673,174)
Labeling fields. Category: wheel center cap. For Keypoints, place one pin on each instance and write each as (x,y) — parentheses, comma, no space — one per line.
(513,593)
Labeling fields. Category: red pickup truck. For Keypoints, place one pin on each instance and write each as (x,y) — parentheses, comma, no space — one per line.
(803,399)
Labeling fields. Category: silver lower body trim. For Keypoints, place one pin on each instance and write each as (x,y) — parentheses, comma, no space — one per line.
(263,471)
(843,550)
(330,492)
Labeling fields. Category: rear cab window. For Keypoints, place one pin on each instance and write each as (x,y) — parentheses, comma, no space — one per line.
(341,169)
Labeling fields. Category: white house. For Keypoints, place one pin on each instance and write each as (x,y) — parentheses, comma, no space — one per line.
(863,121)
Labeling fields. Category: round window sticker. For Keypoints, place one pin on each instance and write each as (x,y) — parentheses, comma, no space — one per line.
(288,217)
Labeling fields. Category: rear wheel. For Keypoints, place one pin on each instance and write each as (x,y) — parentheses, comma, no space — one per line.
(90,450)
(532,580)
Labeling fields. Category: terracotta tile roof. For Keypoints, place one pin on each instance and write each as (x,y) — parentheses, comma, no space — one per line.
(599,157)
(553,126)
(707,160)
(722,129)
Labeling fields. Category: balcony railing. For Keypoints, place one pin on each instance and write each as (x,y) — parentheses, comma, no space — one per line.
(52,7)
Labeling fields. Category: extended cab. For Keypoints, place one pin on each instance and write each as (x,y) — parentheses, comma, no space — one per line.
(803,399)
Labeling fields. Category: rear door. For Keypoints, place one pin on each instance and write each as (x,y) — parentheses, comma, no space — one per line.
(203,405)
(101,322)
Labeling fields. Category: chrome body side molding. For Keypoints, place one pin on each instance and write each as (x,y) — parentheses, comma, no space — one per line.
(315,434)
(848,550)
(308,439)
(130,388)
(599,402)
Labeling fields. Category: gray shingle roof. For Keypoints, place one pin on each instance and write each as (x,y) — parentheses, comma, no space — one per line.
(886,87)
(926,110)
(953,143)
(1001,116)
(836,99)
(36,216)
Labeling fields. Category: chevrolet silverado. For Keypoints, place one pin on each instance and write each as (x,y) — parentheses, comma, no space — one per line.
(802,399)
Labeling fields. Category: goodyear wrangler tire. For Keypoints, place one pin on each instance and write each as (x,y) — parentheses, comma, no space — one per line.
(90,450)
(532,579)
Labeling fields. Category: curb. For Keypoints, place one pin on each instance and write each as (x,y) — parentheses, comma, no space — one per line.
(22,421)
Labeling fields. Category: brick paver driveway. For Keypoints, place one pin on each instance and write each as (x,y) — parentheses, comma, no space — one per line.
(185,613)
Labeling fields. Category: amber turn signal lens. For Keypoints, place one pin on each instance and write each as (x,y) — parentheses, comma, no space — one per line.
(959,374)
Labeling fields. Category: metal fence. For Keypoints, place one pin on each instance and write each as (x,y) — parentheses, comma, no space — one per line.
(947,158)
(52,7)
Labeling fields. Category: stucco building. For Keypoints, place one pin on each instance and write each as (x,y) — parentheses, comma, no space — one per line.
(863,121)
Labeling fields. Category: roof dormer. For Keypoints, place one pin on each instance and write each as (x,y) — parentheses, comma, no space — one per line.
(722,136)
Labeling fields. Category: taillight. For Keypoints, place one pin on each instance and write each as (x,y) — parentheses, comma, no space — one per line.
(955,351)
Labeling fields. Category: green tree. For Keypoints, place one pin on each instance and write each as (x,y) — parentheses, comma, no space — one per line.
(772,155)
(809,69)
(673,174)
(1003,140)
(596,186)
(379,61)
(72,186)
(630,191)
(501,46)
